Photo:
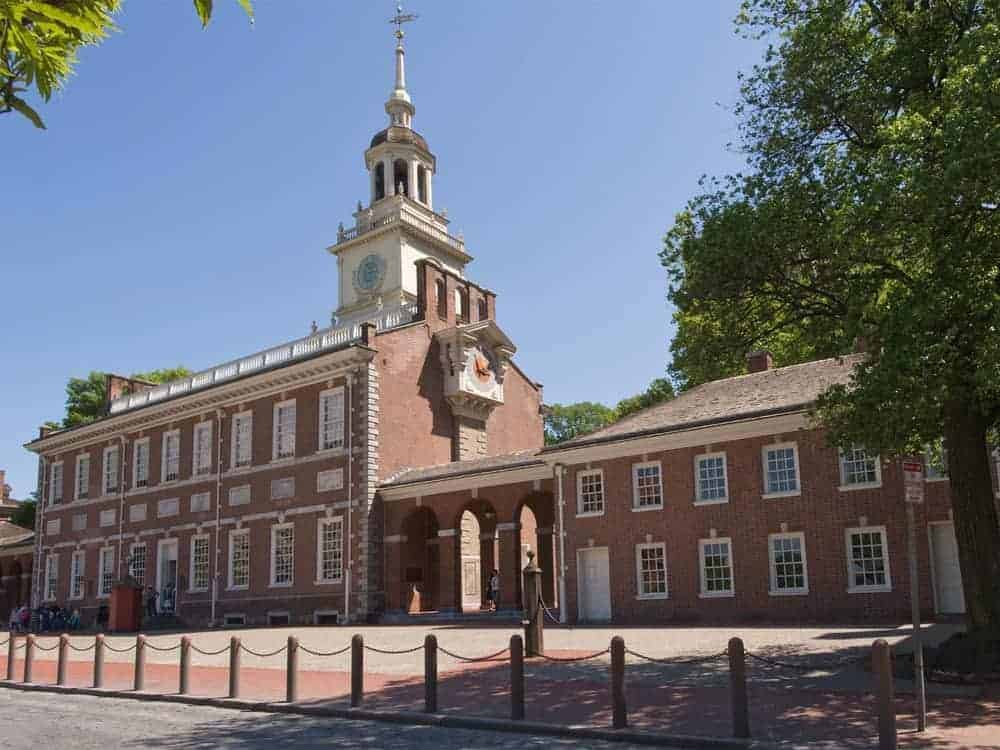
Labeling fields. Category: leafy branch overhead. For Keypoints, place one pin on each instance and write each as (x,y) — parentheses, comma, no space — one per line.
(566,421)
(86,397)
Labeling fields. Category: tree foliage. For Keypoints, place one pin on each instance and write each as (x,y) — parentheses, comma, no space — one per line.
(567,421)
(660,390)
(869,211)
(24,514)
(85,397)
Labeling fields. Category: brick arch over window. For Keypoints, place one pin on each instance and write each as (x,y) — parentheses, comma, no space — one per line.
(535,519)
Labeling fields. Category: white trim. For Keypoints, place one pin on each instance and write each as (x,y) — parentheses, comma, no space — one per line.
(101,554)
(165,438)
(772,588)
(278,614)
(51,580)
(580,475)
(83,457)
(328,394)
(484,480)
(579,598)
(274,558)
(275,416)
(234,420)
(698,500)
(80,574)
(798,469)
(197,469)
(844,486)
(320,524)
(241,616)
(136,444)
(636,508)
(208,566)
(106,489)
(638,571)
(233,534)
(130,568)
(53,484)
(326,613)
(702,593)
(877,589)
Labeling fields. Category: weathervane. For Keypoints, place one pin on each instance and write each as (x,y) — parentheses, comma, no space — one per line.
(399,19)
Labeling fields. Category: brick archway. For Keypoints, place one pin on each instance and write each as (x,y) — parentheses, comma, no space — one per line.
(534,518)
(420,562)
(476,553)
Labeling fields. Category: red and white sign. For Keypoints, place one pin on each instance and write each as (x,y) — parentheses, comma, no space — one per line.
(913,481)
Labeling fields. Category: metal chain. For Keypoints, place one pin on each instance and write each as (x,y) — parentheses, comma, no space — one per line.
(162,649)
(263,655)
(40,647)
(109,647)
(392,652)
(679,662)
(547,611)
(576,658)
(210,653)
(4,643)
(81,650)
(490,657)
(325,653)
(826,666)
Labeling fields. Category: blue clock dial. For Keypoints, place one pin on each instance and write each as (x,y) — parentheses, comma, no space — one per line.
(370,273)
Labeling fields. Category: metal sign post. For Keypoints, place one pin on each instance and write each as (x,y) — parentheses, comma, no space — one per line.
(913,486)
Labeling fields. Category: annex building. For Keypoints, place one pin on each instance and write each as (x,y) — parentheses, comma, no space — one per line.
(381,468)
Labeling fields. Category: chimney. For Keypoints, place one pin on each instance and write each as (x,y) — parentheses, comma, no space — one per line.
(759,361)
(116,386)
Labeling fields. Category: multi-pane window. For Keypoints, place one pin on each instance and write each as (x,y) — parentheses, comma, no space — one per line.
(242,439)
(80,522)
(284,430)
(716,567)
(168,507)
(51,577)
(590,492)
(781,470)
(239,495)
(651,570)
(331,479)
(201,460)
(330,551)
(282,489)
(108,517)
(199,563)
(239,559)
(282,554)
(647,486)
(140,463)
(201,502)
(82,490)
(710,478)
(137,562)
(858,468)
(56,483)
(53,527)
(867,559)
(76,569)
(331,419)
(170,467)
(137,513)
(106,571)
(788,564)
(111,470)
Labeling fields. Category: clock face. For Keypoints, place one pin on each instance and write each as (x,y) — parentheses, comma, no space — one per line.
(480,366)
(370,273)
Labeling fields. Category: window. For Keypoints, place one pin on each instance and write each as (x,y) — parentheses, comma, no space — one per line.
(111,470)
(330,551)
(462,305)
(647,486)
(867,560)
(781,470)
(201,502)
(77,565)
(333,479)
(442,298)
(484,310)
(282,489)
(140,463)
(201,460)
(239,559)
(936,461)
(106,566)
(56,483)
(137,562)
(242,439)
(168,507)
(80,522)
(651,570)
(234,620)
(284,430)
(239,495)
(199,563)
(170,466)
(331,419)
(859,469)
(51,577)
(590,492)
(82,490)
(137,513)
(716,567)
(53,527)
(282,554)
(108,517)
(788,564)
(710,479)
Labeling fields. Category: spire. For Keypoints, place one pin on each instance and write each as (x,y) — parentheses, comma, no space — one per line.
(399,106)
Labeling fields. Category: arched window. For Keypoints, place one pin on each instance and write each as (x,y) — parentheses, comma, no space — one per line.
(484,310)
(442,298)
(400,177)
(421,184)
(379,181)
(462,305)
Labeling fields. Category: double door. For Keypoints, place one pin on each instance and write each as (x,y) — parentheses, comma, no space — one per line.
(166,576)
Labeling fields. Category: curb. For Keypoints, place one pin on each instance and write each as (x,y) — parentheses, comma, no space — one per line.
(573,731)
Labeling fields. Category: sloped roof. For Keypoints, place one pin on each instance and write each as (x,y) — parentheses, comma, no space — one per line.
(474,466)
(12,535)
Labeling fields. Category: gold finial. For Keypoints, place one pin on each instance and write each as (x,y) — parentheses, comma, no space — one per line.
(399,19)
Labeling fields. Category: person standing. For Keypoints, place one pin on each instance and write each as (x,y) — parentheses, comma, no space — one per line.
(494,590)
(150,602)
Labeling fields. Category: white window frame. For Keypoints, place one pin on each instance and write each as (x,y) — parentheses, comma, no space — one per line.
(698,499)
(201,448)
(237,419)
(56,486)
(136,446)
(82,459)
(79,522)
(239,491)
(233,535)
(51,577)
(166,459)
(640,594)
(326,426)
(878,588)
(321,523)
(276,453)
(132,558)
(635,485)
(207,496)
(275,530)
(330,474)
(208,567)
(798,470)
(580,475)
(703,593)
(105,553)
(77,582)
(137,516)
(107,518)
(106,488)
(844,486)
(772,586)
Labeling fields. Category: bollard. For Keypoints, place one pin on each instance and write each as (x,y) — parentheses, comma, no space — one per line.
(882,669)
(516,678)
(357,670)
(534,619)
(235,646)
(292,670)
(140,662)
(183,679)
(431,674)
(619,717)
(29,656)
(99,660)
(11,654)
(738,688)
(61,663)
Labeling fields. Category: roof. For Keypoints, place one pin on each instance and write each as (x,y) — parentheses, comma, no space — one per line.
(14,536)
(396,134)
(474,466)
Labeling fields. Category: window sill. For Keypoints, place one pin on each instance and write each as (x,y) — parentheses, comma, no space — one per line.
(716,501)
(795,592)
(716,595)
(853,487)
(336,451)
(282,460)
(592,514)
(331,582)
(644,508)
(936,479)
(197,591)
(280,585)
(651,597)
(243,469)
(238,588)
(870,590)
(778,495)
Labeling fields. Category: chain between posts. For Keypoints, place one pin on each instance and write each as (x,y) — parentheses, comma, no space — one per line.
(576,658)
(489,657)
(263,655)
(392,652)
(309,651)
(82,649)
(163,649)
(548,612)
(222,650)
(40,647)
(826,666)
(109,647)
(677,661)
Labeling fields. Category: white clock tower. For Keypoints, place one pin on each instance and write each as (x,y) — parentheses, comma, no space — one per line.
(376,257)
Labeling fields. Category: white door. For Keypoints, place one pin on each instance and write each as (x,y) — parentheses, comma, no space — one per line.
(593,584)
(166,575)
(947,573)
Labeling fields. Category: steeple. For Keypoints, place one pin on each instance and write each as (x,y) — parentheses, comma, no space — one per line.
(399,107)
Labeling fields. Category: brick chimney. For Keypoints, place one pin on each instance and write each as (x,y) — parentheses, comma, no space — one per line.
(759,361)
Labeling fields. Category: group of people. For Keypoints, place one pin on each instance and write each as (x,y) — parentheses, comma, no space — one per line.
(45,619)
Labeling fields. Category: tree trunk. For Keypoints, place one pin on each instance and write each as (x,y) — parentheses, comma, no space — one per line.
(977,526)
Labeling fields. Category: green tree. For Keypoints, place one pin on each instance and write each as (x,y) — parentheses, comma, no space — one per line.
(85,397)
(566,421)
(660,390)
(24,515)
(39,40)
(869,210)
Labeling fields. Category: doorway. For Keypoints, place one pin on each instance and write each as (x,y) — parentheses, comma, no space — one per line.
(593,584)
(166,576)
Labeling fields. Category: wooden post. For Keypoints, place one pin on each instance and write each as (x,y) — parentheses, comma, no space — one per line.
(185,669)
(235,646)
(61,663)
(619,715)
(886,710)
(431,674)
(29,656)
(99,660)
(140,662)
(738,688)
(516,678)
(292,670)
(11,654)
(357,670)
(534,618)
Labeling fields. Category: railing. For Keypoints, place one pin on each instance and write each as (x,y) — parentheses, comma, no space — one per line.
(406,217)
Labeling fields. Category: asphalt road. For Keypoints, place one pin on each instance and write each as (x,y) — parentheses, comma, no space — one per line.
(32,720)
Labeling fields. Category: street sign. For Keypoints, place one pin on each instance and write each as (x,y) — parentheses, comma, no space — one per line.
(913,481)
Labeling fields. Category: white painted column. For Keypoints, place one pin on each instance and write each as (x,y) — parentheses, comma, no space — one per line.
(371,183)
(412,167)
(390,179)
(430,179)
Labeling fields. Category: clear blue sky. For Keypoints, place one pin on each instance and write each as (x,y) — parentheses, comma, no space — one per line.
(177,209)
